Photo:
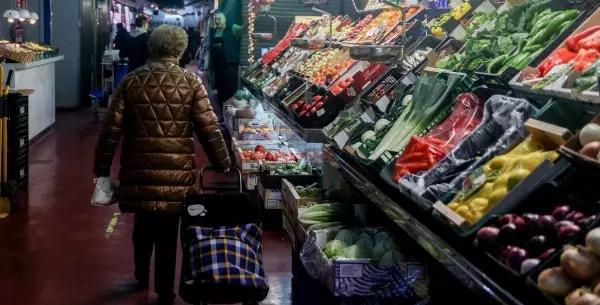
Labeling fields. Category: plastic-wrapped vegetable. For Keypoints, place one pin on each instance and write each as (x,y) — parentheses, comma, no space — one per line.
(503,124)
(422,153)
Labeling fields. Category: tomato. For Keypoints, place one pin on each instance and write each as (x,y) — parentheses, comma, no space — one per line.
(319,105)
(349,80)
(269,157)
(313,109)
(337,90)
(306,107)
(257,156)
(260,148)
(294,107)
(247,153)
(302,113)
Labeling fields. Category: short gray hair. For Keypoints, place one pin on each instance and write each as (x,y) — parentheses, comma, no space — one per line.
(168,40)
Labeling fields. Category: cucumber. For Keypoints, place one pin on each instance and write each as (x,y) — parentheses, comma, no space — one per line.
(533,48)
(591,71)
(543,22)
(553,26)
(584,83)
(563,26)
(495,63)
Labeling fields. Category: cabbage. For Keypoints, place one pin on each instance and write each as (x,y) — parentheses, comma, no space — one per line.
(364,235)
(388,259)
(366,247)
(381,248)
(334,248)
(345,236)
(354,252)
(382,236)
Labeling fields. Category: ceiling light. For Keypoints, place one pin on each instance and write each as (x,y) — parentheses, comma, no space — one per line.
(24,14)
(11,15)
(33,18)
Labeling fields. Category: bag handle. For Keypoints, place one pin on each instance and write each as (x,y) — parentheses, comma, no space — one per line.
(220,188)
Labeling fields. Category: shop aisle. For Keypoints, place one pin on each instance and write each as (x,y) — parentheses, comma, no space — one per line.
(53,250)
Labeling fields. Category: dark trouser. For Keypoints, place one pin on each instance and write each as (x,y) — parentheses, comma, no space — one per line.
(160,232)
(226,80)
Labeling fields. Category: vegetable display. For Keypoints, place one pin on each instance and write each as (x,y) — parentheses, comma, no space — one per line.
(422,153)
(522,242)
(519,35)
(501,174)
(360,244)
(325,213)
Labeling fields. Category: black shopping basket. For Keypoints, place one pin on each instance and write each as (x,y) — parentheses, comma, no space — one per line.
(221,236)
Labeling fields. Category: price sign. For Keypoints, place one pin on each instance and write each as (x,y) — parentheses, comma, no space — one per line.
(20,3)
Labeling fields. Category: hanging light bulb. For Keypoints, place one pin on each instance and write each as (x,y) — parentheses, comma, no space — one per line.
(33,18)
(24,14)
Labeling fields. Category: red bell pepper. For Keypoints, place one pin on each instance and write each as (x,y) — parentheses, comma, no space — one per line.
(591,42)
(561,56)
(573,41)
(585,58)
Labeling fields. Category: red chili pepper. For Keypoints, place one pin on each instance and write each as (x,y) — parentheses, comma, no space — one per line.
(591,42)
(430,159)
(573,41)
(561,56)
(411,156)
(416,166)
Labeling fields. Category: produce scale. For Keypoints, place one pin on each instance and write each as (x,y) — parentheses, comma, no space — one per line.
(471,127)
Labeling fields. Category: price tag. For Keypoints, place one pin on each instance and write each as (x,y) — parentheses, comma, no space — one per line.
(383,103)
(320,112)
(351,270)
(341,139)
(474,181)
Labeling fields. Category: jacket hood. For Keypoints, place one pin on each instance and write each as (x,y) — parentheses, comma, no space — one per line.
(137,32)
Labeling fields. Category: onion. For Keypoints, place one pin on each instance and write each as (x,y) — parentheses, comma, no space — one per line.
(528,264)
(487,237)
(555,282)
(591,150)
(506,219)
(582,297)
(546,254)
(515,257)
(508,234)
(530,222)
(545,225)
(589,133)
(579,263)
(592,241)
(538,244)
(563,223)
(561,212)
(575,216)
(566,232)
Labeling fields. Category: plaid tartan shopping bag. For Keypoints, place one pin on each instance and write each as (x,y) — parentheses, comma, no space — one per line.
(222,248)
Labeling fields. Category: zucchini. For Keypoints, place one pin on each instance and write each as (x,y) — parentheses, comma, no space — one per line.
(543,22)
(523,62)
(496,63)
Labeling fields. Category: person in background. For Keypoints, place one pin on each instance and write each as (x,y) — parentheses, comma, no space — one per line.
(132,26)
(193,44)
(136,48)
(121,37)
(157,158)
(225,58)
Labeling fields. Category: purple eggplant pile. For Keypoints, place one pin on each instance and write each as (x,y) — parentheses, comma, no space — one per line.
(521,242)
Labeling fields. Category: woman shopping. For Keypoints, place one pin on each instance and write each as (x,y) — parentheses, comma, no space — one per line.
(155,111)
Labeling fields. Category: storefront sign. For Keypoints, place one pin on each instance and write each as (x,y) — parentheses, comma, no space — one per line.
(20,3)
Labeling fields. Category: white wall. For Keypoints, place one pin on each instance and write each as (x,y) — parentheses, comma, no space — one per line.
(66,35)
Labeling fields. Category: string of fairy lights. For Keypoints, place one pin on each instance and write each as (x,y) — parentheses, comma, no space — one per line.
(251,20)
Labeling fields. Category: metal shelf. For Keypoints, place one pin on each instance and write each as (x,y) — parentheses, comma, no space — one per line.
(452,260)
(311,135)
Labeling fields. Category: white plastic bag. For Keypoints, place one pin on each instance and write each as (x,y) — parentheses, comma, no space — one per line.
(104,191)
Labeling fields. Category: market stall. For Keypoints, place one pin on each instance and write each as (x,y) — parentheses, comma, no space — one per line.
(33,66)
(479,142)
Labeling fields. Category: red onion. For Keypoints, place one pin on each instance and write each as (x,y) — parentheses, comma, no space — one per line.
(506,219)
(546,254)
(566,232)
(515,257)
(538,244)
(545,225)
(520,223)
(508,234)
(487,237)
(575,216)
(561,212)
(563,223)
(528,264)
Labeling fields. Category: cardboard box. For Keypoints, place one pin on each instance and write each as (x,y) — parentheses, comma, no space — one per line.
(405,279)
(292,200)
(271,197)
(572,147)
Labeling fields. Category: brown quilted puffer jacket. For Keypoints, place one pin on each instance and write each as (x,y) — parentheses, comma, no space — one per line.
(156,108)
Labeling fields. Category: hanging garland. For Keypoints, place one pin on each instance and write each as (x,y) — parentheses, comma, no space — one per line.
(251,20)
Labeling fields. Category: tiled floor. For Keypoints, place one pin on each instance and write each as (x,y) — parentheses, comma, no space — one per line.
(53,251)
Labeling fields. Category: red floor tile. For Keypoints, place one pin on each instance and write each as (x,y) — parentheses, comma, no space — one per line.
(53,250)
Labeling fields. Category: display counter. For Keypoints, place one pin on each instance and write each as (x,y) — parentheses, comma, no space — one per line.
(39,76)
